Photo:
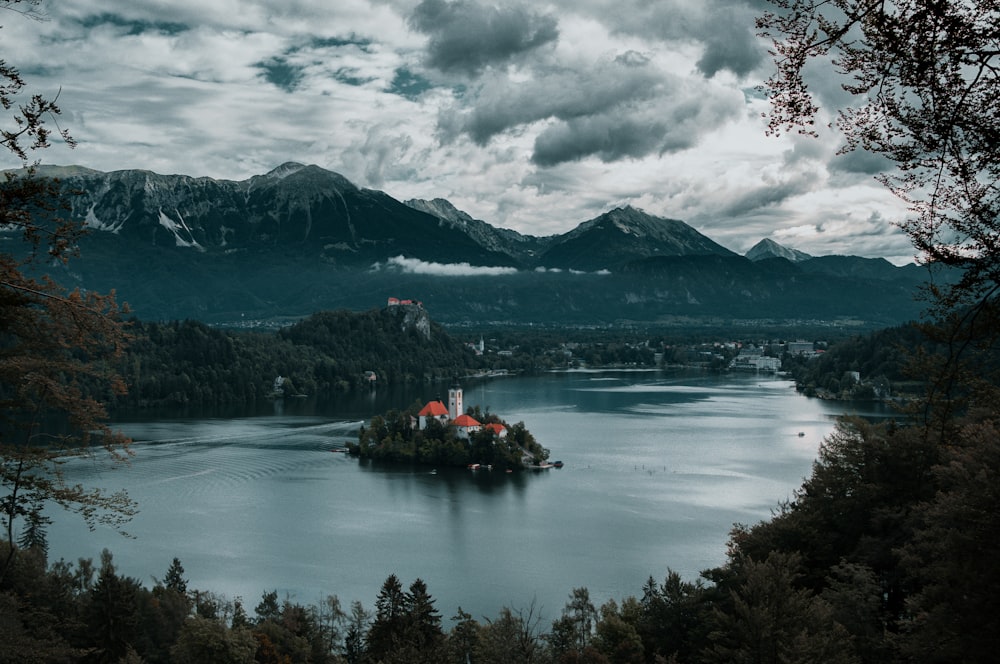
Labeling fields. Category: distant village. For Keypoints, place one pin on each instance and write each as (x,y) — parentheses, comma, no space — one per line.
(763,356)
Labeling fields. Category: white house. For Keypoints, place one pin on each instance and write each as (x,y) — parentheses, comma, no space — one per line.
(466,425)
(434,410)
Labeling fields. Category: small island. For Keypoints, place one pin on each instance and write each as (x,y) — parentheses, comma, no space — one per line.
(448,436)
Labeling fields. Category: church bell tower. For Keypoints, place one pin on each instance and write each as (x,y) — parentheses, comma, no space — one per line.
(455,405)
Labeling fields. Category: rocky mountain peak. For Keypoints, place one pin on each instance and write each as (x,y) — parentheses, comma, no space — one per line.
(286,169)
(624,235)
(311,178)
(440,208)
(768,248)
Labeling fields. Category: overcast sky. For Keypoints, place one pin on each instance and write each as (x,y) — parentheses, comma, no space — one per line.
(532,116)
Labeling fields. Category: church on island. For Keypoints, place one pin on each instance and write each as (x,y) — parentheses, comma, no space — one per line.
(454,415)
(438,434)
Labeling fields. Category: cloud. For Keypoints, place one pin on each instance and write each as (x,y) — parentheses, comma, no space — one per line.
(860,162)
(558,270)
(750,200)
(729,41)
(467,37)
(722,30)
(385,153)
(417,266)
(621,107)
(531,116)
(501,103)
(657,127)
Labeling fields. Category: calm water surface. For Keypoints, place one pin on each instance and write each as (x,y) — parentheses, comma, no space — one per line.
(658,468)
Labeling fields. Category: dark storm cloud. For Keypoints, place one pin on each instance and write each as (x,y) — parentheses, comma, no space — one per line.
(877,226)
(725,30)
(730,41)
(500,104)
(467,37)
(860,162)
(607,137)
(655,128)
(768,195)
(624,107)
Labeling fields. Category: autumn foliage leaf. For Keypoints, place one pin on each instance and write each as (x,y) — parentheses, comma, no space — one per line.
(58,347)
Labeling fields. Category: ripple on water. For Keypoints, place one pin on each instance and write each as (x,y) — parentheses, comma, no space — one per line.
(215,457)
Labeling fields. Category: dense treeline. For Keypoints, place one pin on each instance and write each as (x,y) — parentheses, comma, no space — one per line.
(392,437)
(400,344)
(887,553)
(190,363)
(884,362)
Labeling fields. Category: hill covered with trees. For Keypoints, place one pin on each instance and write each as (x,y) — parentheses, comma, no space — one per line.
(876,366)
(191,363)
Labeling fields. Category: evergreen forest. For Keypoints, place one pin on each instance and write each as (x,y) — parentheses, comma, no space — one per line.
(189,363)
(193,364)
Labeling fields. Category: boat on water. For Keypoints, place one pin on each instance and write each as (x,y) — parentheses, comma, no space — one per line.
(557,464)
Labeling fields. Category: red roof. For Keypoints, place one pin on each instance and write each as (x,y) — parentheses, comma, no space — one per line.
(496,428)
(433,409)
(465,420)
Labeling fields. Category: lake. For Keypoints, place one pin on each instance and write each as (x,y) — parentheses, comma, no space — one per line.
(658,467)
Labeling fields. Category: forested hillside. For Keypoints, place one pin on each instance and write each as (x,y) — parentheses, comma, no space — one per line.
(878,365)
(191,363)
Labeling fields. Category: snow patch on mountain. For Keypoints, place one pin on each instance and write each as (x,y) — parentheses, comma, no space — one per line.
(92,221)
(176,227)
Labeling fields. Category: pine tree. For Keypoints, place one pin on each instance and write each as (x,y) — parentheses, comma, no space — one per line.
(423,639)
(34,536)
(174,580)
(387,628)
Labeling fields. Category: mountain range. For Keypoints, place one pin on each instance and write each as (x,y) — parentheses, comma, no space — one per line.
(300,239)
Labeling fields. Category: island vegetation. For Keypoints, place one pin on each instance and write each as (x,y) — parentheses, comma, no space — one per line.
(395,438)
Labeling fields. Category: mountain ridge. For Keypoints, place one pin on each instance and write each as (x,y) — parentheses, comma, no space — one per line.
(300,239)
